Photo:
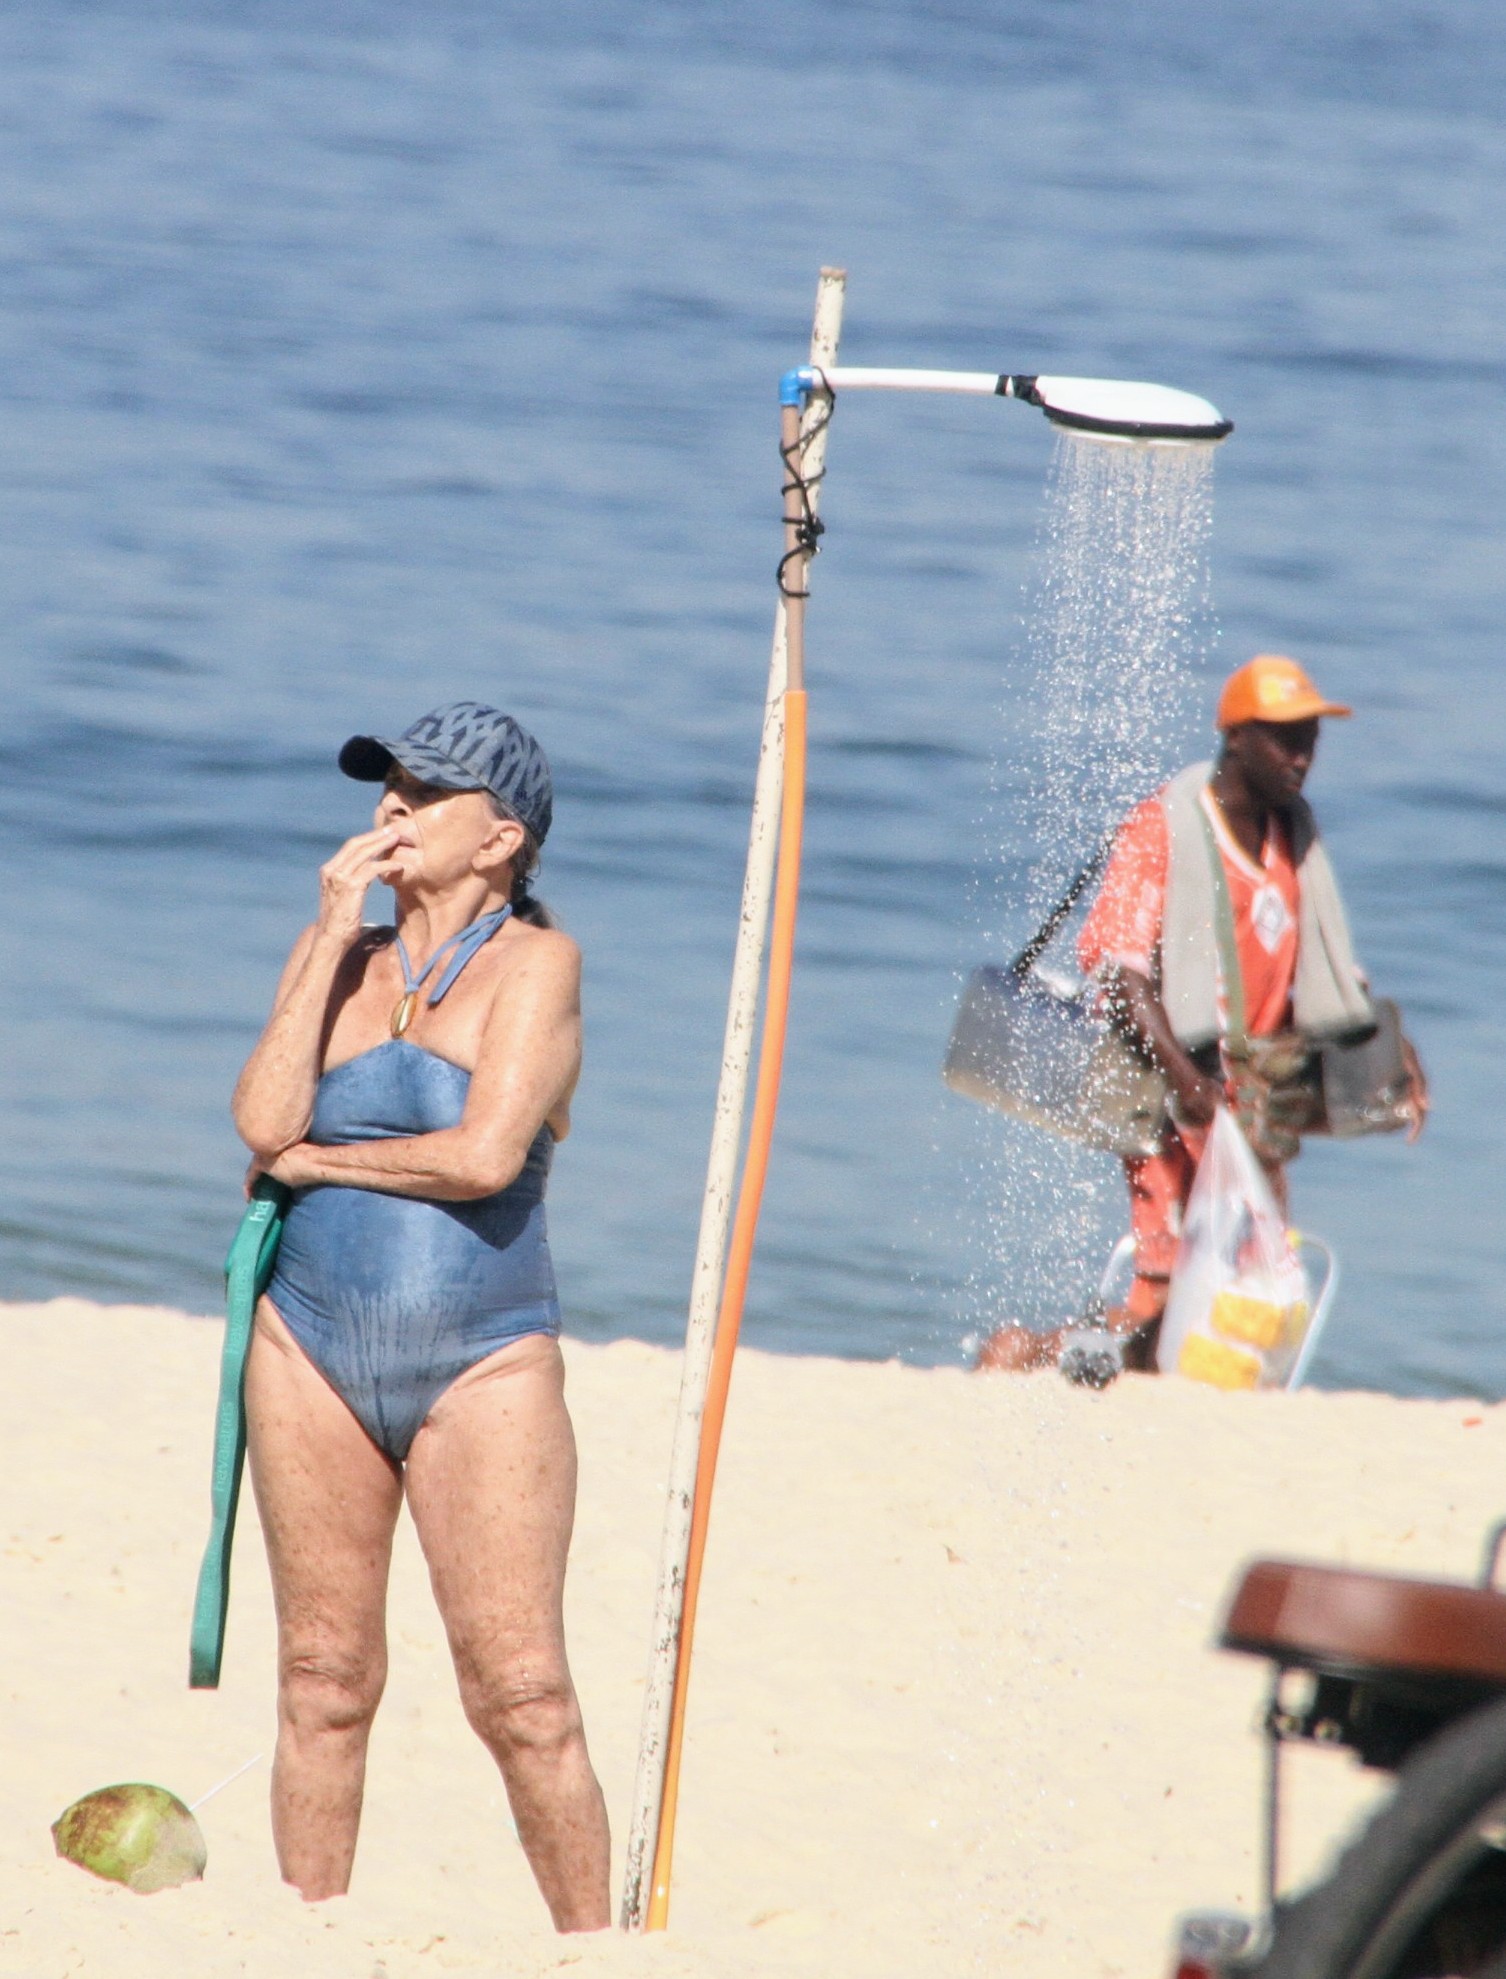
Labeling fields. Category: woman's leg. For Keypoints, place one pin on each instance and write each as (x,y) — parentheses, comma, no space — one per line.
(491,1485)
(329,1501)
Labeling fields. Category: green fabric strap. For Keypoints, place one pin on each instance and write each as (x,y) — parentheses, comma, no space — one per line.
(247,1272)
(1236,1030)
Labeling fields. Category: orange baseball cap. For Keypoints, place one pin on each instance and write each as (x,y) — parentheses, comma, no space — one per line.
(1272,688)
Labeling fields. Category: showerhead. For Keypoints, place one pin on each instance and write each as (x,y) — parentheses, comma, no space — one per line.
(1106,408)
(1110,409)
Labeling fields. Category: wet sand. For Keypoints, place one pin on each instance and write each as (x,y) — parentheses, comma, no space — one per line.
(955,1707)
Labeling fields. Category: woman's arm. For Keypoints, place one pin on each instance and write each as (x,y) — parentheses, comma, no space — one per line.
(525,1070)
(274,1096)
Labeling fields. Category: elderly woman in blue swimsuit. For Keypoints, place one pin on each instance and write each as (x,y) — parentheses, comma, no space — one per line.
(409,1089)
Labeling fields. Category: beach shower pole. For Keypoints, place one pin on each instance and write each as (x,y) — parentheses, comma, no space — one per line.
(1108,410)
(665,1675)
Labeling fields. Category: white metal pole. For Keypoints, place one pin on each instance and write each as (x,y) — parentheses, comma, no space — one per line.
(716,1207)
(867,378)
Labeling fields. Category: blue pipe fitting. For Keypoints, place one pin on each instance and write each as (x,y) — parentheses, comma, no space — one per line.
(795,387)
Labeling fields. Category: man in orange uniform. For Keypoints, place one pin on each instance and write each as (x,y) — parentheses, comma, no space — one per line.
(1150,940)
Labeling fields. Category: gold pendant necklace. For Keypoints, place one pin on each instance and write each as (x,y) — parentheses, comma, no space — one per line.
(458,950)
(402,1012)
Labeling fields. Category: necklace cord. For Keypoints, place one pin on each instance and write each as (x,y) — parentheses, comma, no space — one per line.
(458,948)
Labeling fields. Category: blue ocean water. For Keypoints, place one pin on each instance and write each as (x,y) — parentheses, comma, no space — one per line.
(356,357)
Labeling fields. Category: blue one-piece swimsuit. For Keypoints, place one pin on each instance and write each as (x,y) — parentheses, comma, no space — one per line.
(392,1297)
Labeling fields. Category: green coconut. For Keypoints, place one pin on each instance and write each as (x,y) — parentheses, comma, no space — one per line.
(138,1835)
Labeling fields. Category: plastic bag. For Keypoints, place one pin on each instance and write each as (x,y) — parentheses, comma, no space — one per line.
(1238,1307)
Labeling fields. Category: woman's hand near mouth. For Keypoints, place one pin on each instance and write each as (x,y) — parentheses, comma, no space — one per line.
(344,879)
(274,1098)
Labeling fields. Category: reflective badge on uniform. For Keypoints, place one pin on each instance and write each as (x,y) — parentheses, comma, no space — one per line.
(1270,917)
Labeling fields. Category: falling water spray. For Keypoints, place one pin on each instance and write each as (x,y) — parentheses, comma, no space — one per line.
(1117,620)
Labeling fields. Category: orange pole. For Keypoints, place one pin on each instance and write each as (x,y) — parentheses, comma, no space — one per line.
(739,1260)
(802,446)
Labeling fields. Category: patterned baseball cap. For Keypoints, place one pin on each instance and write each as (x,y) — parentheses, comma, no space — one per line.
(464,746)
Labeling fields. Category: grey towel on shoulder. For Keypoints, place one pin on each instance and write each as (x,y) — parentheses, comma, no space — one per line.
(1328,996)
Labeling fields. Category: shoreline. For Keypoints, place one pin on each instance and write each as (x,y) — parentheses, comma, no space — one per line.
(953,1690)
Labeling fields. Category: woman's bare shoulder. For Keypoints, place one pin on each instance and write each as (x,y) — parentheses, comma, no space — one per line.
(547,947)
(540,964)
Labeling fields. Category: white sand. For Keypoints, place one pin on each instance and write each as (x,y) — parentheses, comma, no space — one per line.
(954,1705)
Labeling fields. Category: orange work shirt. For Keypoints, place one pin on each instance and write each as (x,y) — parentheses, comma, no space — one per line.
(1124,924)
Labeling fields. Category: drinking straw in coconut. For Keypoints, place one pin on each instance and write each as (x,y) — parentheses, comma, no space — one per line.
(228,1781)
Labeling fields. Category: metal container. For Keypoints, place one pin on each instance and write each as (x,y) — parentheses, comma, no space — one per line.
(1037,1048)
(1366,1089)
